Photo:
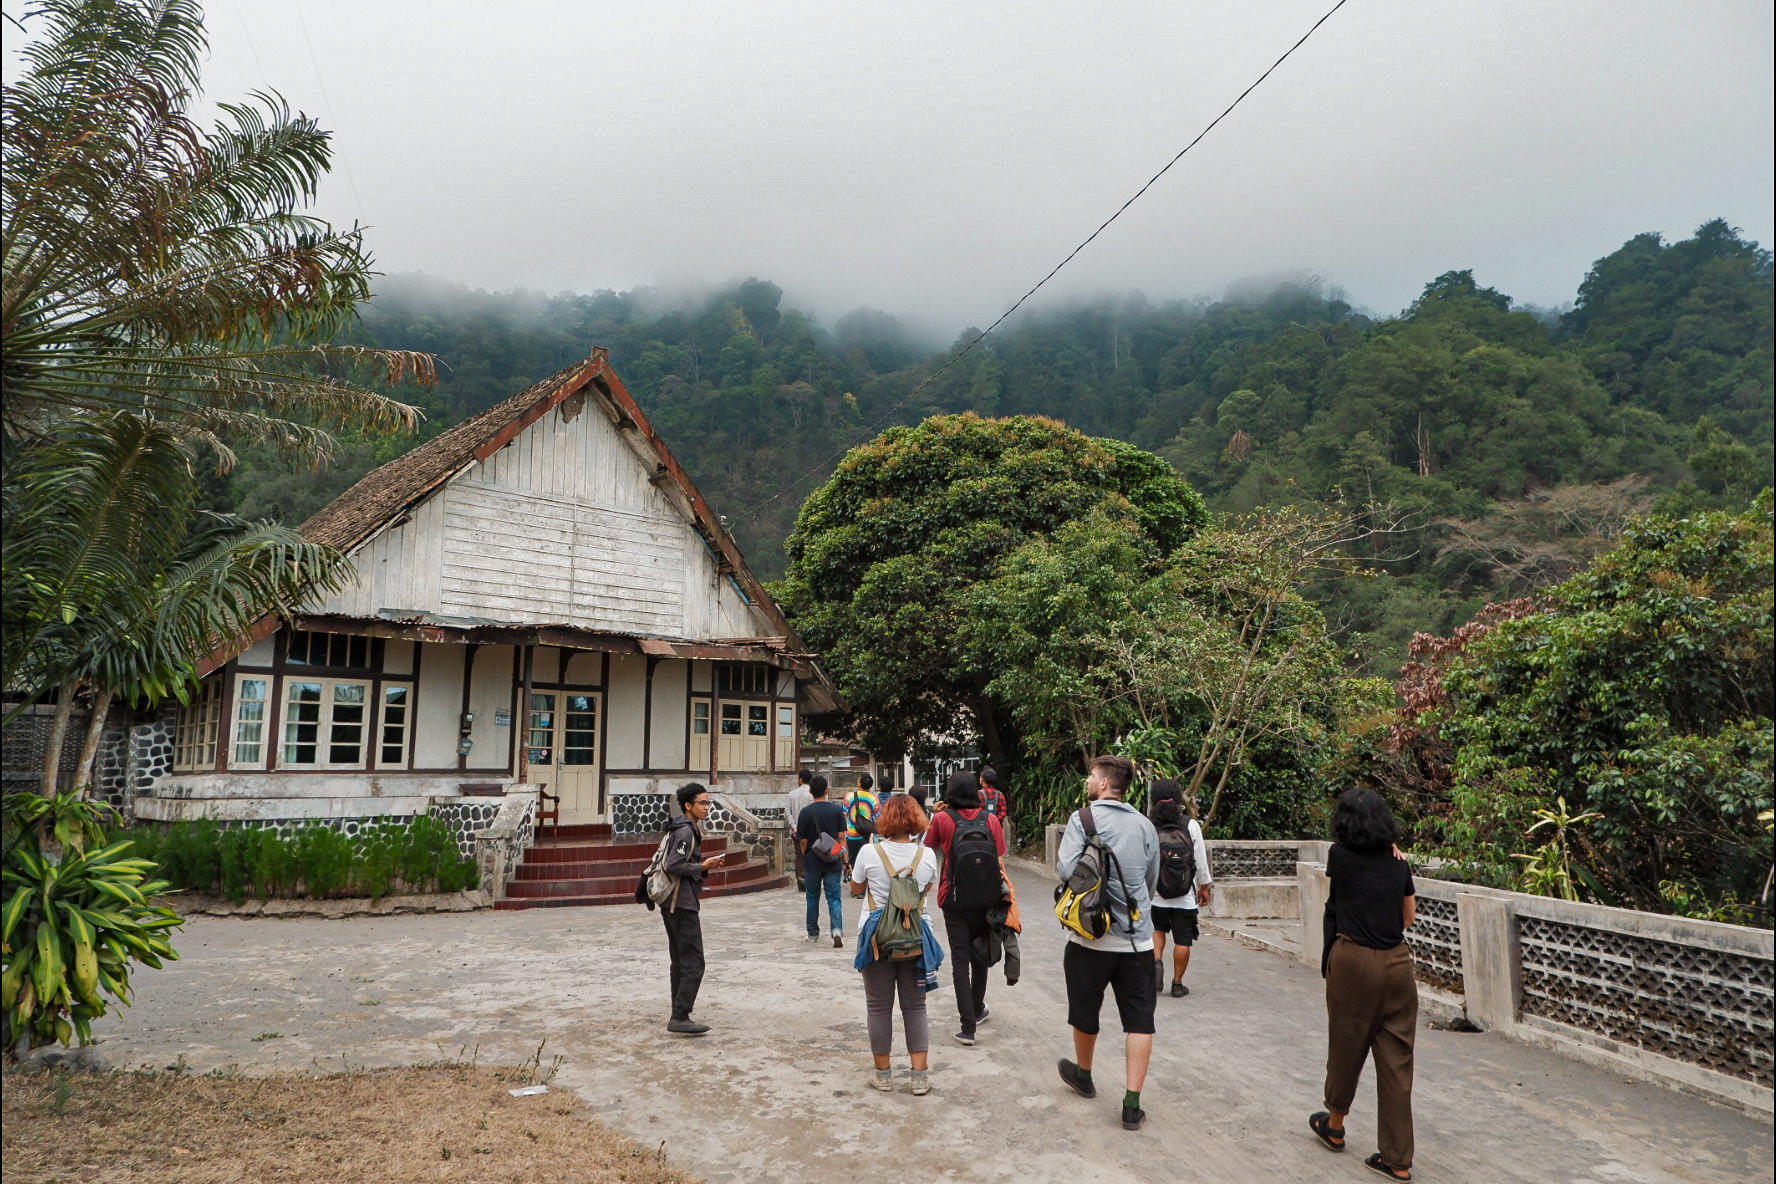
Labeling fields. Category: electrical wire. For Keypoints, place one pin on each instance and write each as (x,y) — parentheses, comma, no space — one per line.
(981,336)
(327,102)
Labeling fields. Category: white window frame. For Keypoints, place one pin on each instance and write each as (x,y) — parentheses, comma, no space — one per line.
(406,725)
(323,741)
(702,743)
(786,749)
(265,721)
(198,730)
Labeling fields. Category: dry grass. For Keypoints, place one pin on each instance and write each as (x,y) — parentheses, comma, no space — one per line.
(431,1123)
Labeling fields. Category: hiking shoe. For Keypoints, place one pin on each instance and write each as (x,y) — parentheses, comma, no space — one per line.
(1079,1085)
(1133,1117)
(965,1039)
(1179,990)
(982,1017)
(883,1079)
(686,1027)
(838,942)
(921,1082)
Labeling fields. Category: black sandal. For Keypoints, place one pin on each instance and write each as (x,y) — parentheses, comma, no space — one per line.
(1320,1123)
(1376,1163)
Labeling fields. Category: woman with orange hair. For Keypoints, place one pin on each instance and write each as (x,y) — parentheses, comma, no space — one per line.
(895,850)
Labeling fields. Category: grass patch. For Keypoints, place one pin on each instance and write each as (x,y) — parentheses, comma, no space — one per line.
(402,1126)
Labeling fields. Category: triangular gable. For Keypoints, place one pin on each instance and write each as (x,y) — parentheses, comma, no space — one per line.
(368,520)
(385,496)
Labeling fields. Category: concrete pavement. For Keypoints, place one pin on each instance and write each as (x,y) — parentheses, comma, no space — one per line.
(778,1091)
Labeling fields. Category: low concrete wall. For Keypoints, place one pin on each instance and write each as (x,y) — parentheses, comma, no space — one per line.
(1685,1003)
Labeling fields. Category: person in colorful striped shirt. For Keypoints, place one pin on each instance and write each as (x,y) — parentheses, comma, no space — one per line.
(860,817)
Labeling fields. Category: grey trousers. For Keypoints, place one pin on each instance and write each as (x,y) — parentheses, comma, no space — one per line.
(882,979)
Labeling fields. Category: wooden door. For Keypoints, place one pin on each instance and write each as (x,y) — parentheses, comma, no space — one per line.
(564,759)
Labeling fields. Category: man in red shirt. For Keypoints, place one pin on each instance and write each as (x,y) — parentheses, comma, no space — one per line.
(973,847)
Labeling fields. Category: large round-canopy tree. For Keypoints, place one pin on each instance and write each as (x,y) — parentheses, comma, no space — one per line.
(884,554)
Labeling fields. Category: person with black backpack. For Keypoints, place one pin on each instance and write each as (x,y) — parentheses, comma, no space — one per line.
(973,847)
(1185,885)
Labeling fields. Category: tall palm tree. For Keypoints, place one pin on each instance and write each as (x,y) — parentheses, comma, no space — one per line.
(151,265)
(115,584)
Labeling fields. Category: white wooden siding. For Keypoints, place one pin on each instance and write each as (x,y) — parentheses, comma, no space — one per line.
(491,692)
(397,657)
(625,700)
(562,526)
(512,557)
(260,653)
(584,669)
(437,705)
(667,731)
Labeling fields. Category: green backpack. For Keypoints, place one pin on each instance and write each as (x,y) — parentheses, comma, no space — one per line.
(901,931)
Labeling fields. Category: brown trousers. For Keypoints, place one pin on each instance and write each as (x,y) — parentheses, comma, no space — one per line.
(1372,1008)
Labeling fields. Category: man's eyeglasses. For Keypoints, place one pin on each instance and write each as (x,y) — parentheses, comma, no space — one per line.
(702,802)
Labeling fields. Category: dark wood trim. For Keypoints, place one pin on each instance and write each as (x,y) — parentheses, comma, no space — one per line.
(413,711)
(604,677)
(517,755)
(224,722)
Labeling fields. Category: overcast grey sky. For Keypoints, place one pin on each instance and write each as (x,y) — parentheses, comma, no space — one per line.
(936,159)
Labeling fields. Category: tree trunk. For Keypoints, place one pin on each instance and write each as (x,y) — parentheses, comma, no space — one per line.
(58,731)
(89,748)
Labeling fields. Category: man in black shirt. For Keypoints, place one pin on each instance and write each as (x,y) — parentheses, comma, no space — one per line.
(821,821)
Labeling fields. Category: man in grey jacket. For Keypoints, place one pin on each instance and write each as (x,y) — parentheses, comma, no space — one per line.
(1121,960)
(683,913)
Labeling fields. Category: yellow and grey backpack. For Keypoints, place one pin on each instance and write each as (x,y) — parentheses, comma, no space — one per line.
(1082,900)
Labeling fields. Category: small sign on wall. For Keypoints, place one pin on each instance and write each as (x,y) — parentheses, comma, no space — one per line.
(502,718)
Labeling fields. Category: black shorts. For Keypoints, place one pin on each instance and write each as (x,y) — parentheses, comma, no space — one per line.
(1180,923)
(1128,974)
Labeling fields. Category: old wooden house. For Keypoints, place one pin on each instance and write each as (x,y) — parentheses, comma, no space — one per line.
(544,604)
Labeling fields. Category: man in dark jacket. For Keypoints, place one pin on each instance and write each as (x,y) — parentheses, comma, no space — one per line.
(683,915)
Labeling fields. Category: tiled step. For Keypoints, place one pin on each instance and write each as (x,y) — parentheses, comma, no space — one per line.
(630,847)
(588,865)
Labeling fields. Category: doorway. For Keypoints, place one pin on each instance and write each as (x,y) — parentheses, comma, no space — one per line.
(562,737)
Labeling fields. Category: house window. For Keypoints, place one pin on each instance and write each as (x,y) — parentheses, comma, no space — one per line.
(699,734)
(746,678)
(326,723)
(251,711)
(787,756)
(194,736)
(392,728)
(342,651)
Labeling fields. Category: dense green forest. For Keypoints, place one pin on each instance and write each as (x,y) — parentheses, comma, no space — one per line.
(1516,443)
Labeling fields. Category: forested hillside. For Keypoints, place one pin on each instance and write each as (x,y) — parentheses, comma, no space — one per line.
(1516,442)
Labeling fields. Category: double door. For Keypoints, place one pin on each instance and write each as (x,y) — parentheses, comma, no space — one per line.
(561,743)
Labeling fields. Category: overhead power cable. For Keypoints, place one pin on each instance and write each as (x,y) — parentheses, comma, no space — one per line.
(981,336)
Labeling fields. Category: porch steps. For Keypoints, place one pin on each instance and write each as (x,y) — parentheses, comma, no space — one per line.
(588,865)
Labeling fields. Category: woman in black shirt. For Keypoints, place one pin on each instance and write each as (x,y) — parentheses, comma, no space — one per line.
(1371,993)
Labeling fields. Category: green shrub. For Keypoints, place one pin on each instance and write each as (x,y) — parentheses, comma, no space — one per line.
(315,860)
(76,914)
